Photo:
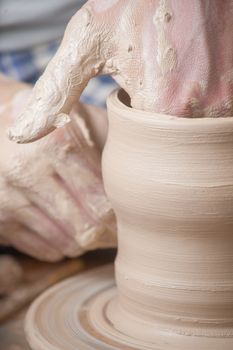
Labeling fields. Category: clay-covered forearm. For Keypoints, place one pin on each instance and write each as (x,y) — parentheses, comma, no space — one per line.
(175,57)
(192,70)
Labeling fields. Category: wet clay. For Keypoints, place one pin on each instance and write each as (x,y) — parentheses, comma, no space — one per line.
(170,183)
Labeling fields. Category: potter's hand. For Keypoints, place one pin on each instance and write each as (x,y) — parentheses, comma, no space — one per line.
(80,56)
(170,56)
(52,199)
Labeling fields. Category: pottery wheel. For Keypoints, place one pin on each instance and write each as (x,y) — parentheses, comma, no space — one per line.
(72,316)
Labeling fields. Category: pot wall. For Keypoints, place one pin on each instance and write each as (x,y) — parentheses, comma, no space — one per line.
(170,182)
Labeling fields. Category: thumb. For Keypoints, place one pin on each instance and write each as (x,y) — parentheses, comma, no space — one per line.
(66,76)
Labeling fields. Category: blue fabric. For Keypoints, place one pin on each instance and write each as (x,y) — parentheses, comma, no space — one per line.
(28,65)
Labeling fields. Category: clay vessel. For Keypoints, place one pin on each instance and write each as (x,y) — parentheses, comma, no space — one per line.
(170,182)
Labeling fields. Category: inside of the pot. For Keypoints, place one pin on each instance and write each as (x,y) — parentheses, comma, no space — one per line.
(124,98)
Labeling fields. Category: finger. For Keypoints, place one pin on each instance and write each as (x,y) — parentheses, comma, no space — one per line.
(86,189)
(79,165)
(39,221)
(51,194)
(31,207)
(31,244)
(51,212)
(78,175)
(76,61)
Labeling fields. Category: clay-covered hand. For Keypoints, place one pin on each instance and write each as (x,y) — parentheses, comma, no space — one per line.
(173,57)
(52,198)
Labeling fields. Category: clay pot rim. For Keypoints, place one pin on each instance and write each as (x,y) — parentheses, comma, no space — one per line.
(123,111)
